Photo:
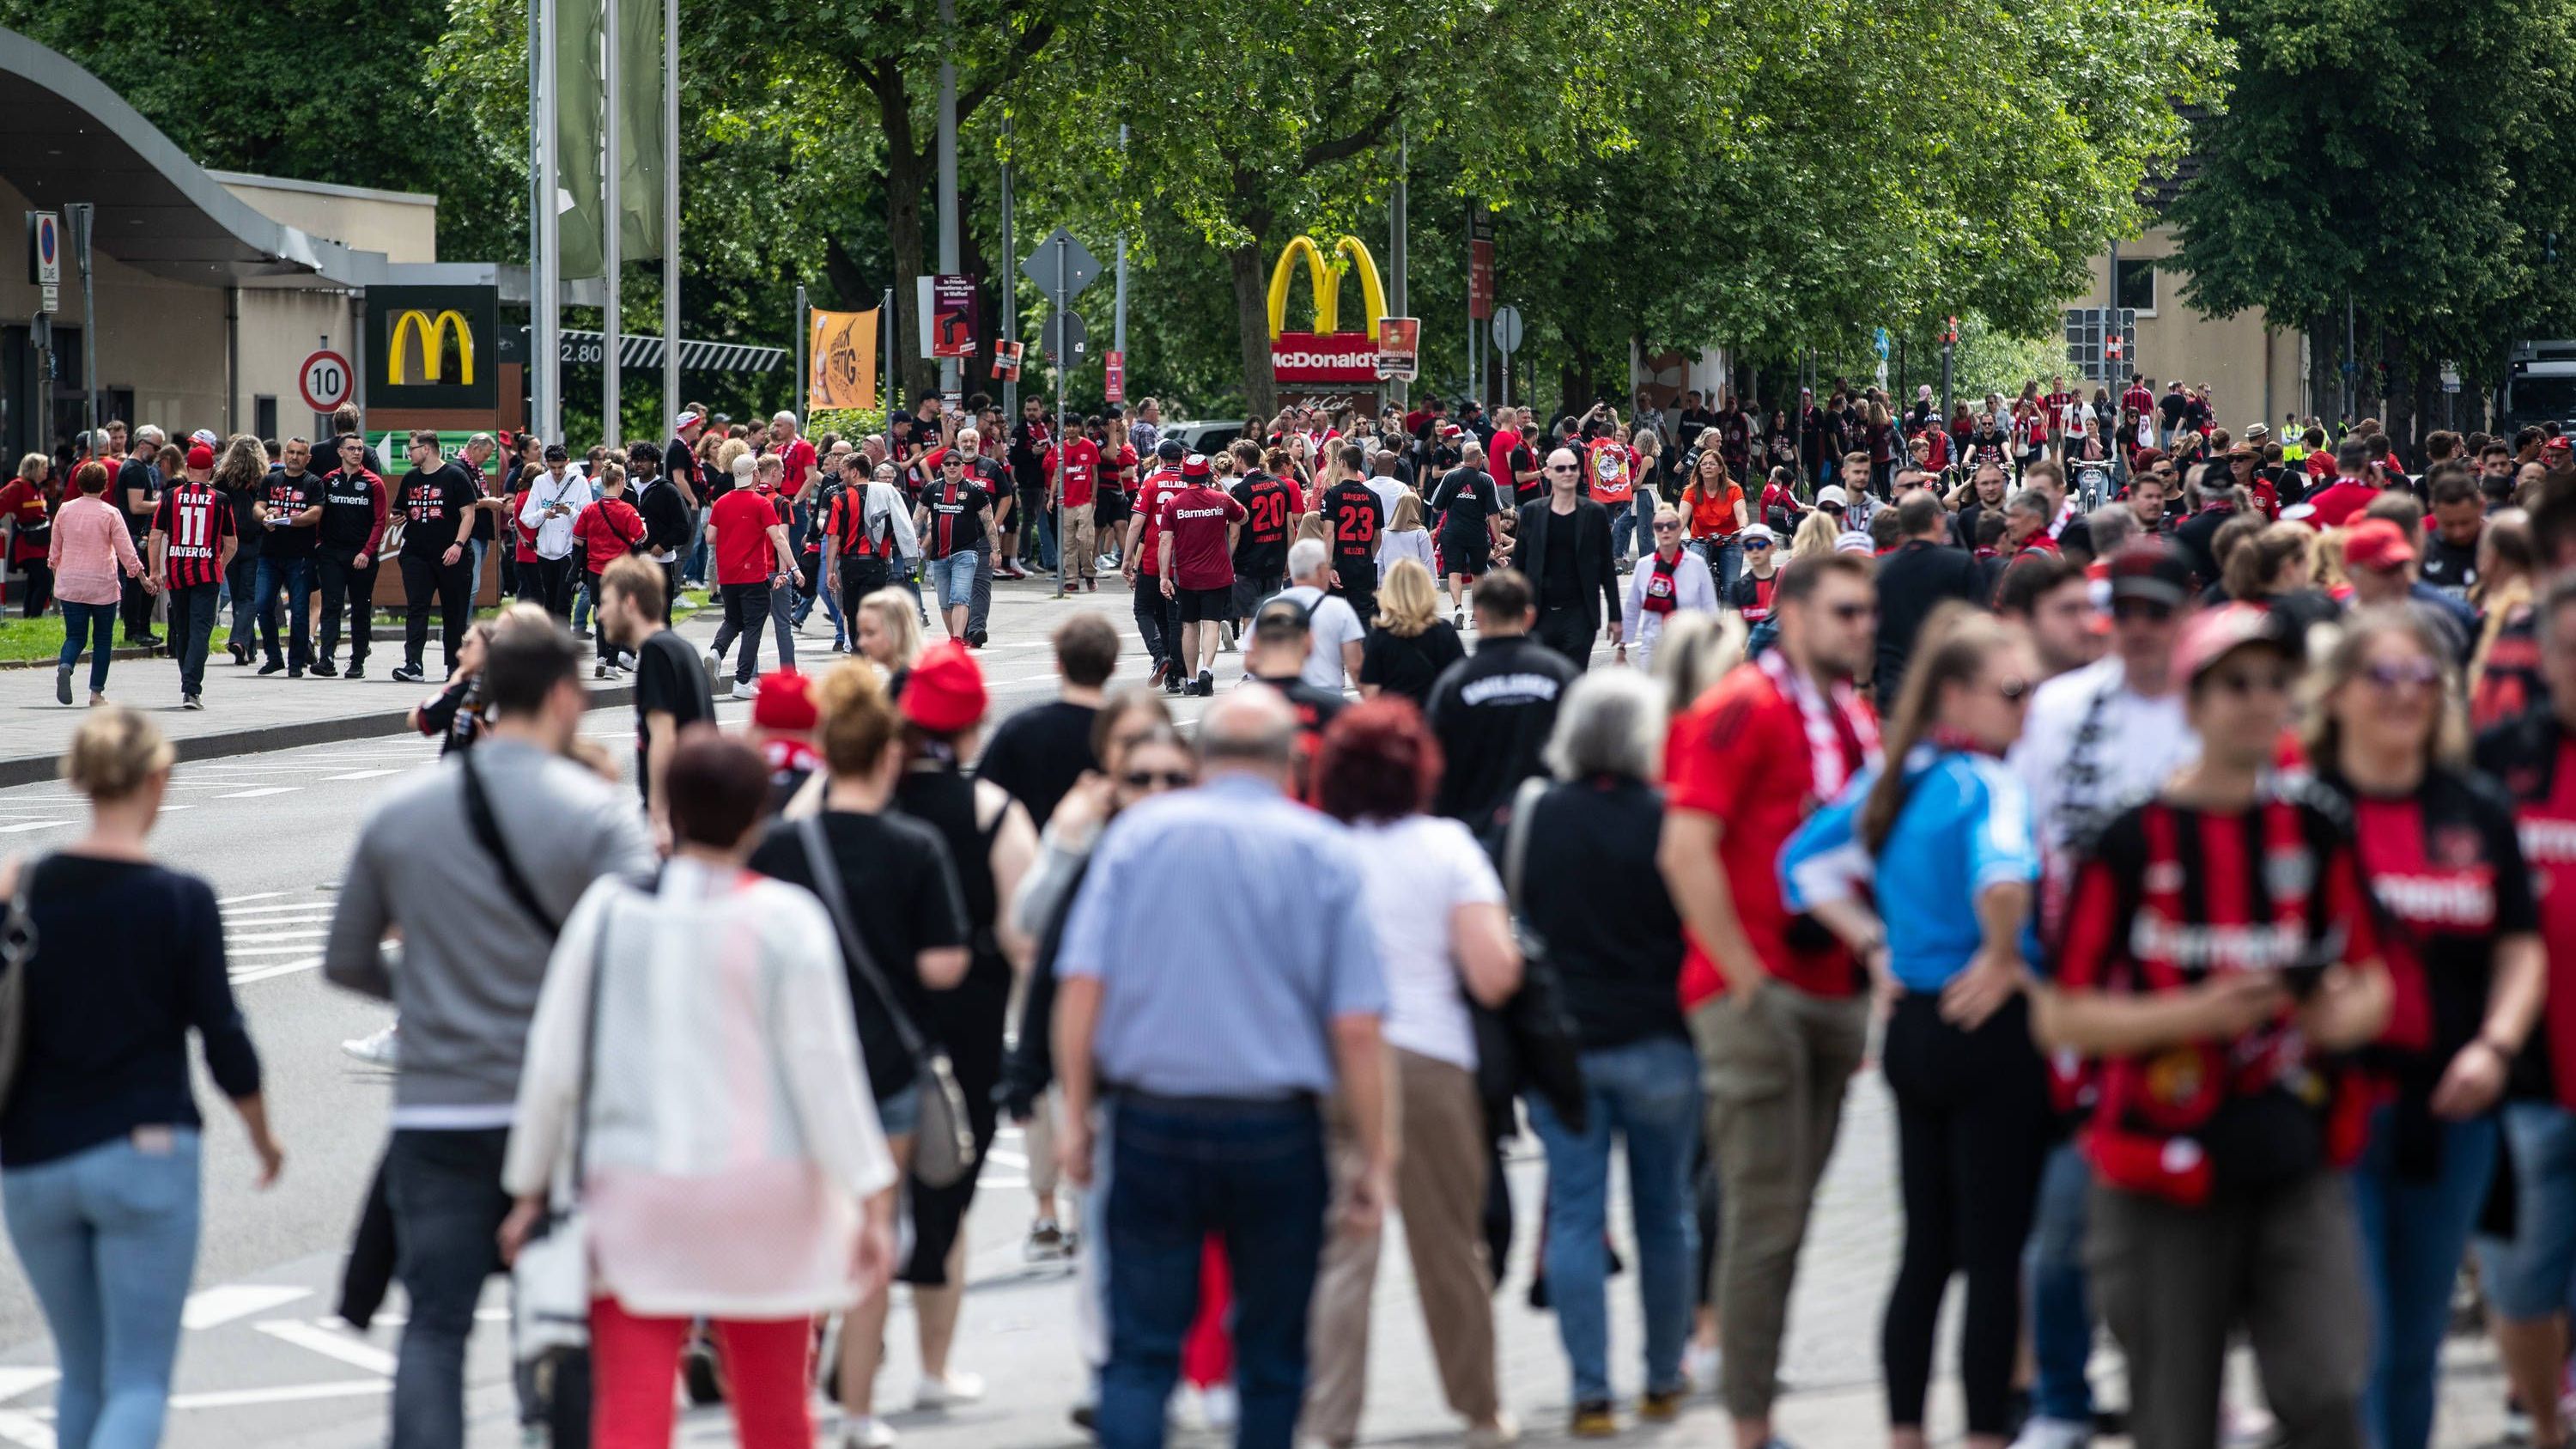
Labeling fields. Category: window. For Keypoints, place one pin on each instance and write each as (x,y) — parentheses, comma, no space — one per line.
(2084,350)
(2138,286)
(263,412)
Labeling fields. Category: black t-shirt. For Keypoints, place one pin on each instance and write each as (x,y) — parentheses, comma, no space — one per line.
(246,526)
(668,677)
(1592,891)
(956,517)
(1409,667)
(1560,582)
(456,715)
(1315,709)
(1039,753)
(1912,581)
(1357,518)
(1468,495)
(903,899)
(2173,405)
(289,494)
(483,525)
(680,462)
(2450,567)
(138,476)
(433,507)
(1492,712)
(1261,545)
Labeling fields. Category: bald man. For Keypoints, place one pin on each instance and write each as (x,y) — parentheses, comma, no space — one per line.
(1562,542)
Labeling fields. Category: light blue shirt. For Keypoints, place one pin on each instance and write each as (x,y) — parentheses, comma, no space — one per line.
(1965,826)
(1228,928)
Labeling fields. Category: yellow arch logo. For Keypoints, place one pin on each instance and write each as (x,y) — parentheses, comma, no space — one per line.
(1328,299)
(433,346)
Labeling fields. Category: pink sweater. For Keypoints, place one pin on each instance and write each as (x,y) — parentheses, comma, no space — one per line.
(90,545)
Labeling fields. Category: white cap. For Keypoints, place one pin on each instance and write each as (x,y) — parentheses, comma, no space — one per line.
(205,436)
(683,420)
(1756,530)
(1854,542)
(1833,494)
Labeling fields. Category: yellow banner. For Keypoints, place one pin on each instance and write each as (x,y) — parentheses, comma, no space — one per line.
(841,355)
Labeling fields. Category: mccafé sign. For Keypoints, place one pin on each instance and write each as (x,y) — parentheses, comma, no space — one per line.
(1329,356)
(432,347)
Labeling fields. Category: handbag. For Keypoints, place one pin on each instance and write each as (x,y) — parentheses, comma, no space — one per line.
(550,1278)
(943,1143)
(17,948)
(1529,1041)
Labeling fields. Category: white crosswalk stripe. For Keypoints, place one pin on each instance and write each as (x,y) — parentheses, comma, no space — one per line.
(281,935)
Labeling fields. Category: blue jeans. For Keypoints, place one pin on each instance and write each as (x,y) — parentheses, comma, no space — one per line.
(1648,1093)
(953,578)
(1725,561)
(693,570)
(1250,1172)
(95,624)
(108,1237)
(295,575)
(2528,1276)
(445,1191)
(2413,1234)
(2061,1309)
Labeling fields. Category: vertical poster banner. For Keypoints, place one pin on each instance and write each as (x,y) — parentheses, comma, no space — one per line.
(1007,360)
(954,303)
(580,145)
(1399,348)
(1117,384)
(841,357)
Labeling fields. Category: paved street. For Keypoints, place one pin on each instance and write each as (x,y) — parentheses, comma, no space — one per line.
(264,1363)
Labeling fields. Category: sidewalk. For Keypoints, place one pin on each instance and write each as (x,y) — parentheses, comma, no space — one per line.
(247,712)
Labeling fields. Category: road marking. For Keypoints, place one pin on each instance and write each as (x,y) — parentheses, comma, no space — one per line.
(262,790)
(278,935)
(330,1344)
(291,1394)
(18,1381)
(235,1300)
(1007,1159)
(253,896)
(263,973)
(268,950)
(322,906)
(26,1429)
(361,775)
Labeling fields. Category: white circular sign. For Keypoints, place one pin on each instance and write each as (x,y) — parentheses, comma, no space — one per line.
(326,380)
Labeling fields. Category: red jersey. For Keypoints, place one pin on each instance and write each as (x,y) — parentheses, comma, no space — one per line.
(2339,502)
(2053,410)
(1743,755)
(1195,518)
(742,520)
(25,502)
(798,456)
(527,537)
(1081,470)
(848,525)
(2534,759)
(2138,400)
(609,529)
(1149,507)
(196,520)
(1611,469)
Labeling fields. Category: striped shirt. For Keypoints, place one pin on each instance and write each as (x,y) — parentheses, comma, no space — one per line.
(1229,992)
(196,519)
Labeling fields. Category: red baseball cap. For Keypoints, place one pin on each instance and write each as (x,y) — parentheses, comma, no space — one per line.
(201,456)
(945,691)
(1194,466)
(2377,545)
(785,702)
(2213,634)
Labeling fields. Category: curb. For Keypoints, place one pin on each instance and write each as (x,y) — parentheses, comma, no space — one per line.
(36,769)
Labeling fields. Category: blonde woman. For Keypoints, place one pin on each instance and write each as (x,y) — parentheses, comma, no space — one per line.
(1406,539)
(1815,537)
(1409,645)
(888,635)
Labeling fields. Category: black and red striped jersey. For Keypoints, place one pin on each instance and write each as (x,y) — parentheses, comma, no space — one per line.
(957,512)
(196,518)
(848,526)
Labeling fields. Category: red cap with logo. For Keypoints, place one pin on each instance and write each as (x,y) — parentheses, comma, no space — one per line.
(945,691)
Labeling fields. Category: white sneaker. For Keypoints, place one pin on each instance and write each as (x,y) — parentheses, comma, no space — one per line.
(742,690)
(715,668)
(377,1049)
(960,1387)
(1504,1430)
(2045,1433)
(867,1432)
(1219,1408)
(1701,1361)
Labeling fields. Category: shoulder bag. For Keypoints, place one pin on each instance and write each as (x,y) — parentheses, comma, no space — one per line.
(1529,1041)
(17,949)
(550,1279)
(487,833)
(943,1144)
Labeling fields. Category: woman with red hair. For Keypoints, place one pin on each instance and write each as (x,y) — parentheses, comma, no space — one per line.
(1437,908)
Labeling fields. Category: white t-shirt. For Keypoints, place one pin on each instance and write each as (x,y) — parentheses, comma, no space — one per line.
(1330,623)
(1417,871)
(2138,743)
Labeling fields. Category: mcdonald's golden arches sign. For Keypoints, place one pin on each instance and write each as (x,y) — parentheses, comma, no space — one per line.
(433,347)
(1329,356)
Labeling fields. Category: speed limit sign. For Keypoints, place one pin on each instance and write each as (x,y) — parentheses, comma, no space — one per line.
(325,378)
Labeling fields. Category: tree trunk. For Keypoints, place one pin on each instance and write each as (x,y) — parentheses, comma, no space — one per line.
(908,182)
(1252,322)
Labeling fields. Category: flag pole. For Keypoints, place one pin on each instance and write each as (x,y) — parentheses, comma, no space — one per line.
(612,226)
(671,400)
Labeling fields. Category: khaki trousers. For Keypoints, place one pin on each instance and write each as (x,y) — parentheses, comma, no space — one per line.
(1440,1189)
(1773,1073)
(1080,553)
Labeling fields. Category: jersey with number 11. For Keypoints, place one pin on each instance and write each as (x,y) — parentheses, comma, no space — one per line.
(195,519)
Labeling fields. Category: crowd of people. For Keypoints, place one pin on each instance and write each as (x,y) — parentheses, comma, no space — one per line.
(2186,864)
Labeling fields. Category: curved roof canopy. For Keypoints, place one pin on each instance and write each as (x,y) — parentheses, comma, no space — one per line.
(65,137)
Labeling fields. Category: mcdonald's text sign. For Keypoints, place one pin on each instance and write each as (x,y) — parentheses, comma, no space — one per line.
(433,347)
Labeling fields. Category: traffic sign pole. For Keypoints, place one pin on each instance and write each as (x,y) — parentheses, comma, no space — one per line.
(1063,364)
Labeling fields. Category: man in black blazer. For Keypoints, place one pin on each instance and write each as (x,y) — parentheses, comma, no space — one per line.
(1579,587)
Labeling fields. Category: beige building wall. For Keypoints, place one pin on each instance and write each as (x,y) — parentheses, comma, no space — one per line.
(163,339)
(401,224)
(278,331)
(2254,371)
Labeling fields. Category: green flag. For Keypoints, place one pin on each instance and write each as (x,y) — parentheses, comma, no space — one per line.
(581,136)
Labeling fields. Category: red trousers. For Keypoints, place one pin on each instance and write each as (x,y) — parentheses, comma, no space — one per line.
(1207,1353)
(635,1363)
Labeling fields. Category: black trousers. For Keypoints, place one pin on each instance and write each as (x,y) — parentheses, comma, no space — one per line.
(1566,629)
(746,613)
(860,577)
(1972,1133)
(421,578)
(350,589)
(1157,619)
(558,580)
(40,586)
(137,605)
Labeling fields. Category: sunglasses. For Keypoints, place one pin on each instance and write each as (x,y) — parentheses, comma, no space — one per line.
(2394,674)
(1562,468)
(1668,528)
(1835,509)
(2153,612)
(1149,779)
(1757,545)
